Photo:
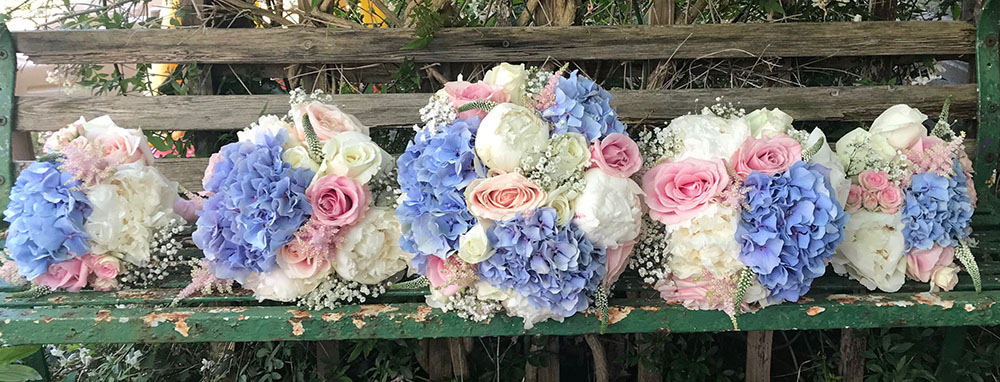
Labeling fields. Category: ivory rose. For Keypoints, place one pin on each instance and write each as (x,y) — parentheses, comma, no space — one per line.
(501,197)
(617,262)
(901,125)
(678,191)
(922,263)
(299,262)
(353,155)
(617,155)
(71,275)
(767,155)
(874,180)
(463,92)
(474,246)
(766,123)
(512,78)
(572,154)
(609,210)
(508,133)
(708,137)
(298,157)
(562,200)
(269,126)
(125,145)
(327,120)
(337,200)
(946,277)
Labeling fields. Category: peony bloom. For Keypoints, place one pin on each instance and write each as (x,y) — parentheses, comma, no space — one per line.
(922,263)
(705,244)
(369,252)
(278,285)
(507,134)
(520,306)
(900,125)
(327,120)
(617,262)
(873,252)
(337,200)
(768,155)
(609,210)
(512,78)
(678,191)
(503,196)
(709,137)
(617,155)
(125,145)
(463,92)
(71,275)
(474,247)
(766,123)
(353,155)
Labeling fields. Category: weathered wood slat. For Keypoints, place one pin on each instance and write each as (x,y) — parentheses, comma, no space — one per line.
(415,320)
(339,46)
(395,110)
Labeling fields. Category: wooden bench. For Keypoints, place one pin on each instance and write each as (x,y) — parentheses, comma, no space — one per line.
(834,302)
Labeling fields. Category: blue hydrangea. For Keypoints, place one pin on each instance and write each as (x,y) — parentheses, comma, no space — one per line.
(582,106)
(46,215)
(554,267)
(789,228)
(259,203)
(433,173)
(937,210)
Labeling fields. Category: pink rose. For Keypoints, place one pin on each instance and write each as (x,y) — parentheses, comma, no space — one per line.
(691,292)
(210,170)
(104,267)
(298,261)
(925,143)
(71,274)
(188,208)
(854,198)
(921,263)
(326,120)
(617,261)
(963,159)
(617,155)
(874,180)
(338,200)
(767,155)
(870,201)
(124,146)
(443,275)
(890,198)
(677,191)
(503,196)
(462,92)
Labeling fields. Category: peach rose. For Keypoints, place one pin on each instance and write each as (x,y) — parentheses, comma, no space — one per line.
(463,92)
(922,263)
(617,262)
(617,155)
(71,274)
(874,180)
(326,120)
(503,196)
(297,261)
(678,191)
(870,201)
(767,155)
(338,200)
(889,199)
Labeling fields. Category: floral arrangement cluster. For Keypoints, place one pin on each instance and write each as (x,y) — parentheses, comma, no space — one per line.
(516,195)
(911,202)
(300,208)
(746,211)
(92,211)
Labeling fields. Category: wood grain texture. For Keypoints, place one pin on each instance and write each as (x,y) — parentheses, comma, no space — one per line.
(402,110)
(339,46)
(759,355)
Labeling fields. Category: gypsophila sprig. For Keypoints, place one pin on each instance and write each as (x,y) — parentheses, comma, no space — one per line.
(656,144)
(649,258)
(438,111)
(725,110)
(335,292)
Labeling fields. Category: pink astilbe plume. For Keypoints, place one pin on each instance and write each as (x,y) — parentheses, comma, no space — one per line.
(9,275)
(932,154)
(203,281)
(318,239)
(88,162)
(547,97)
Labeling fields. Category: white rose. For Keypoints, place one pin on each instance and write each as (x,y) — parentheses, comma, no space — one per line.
(298,157)
(486,292)
(507,134)
(860,145)
(519,306)
(277,285)
(825,156)
(901,125)
(609,210)
(707,136)
(572,153)
(270,125)
(354,155)
(369,252)
(705,244)
(946,277)
(128,208)
(872,252)
(512,78)
(766,123)
(474,246)
(562,200)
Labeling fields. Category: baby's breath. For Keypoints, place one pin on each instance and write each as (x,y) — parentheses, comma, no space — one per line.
(651,252)
(334,292)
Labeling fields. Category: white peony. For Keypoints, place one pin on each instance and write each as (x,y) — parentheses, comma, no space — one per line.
(508,133)
(859,145)
(766,123)
(128,208)
(519,306)
(512,78)
(354,155)
(901,125)
(825,156)
(369,252)
(298,157)
(278,285)
(270,125)
(609,210)
(562,200)
(707,136)
(474,247)
(872,252)
(705,243)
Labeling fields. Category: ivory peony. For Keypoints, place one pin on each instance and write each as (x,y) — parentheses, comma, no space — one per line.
(609,210)
(519,306)
(705,244)
(766,123)
(708,137)
(369,252)
(509,133)
(872,252)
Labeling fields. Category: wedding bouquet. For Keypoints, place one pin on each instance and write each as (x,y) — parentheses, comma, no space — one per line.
(911,202)
(744,210)
(92,211)
(517,196)
(300,208)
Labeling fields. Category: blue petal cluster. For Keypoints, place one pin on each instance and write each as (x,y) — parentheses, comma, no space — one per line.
(582,106)
(937,210)
(433,173)
(259,202)
(553,267)
(789,229)
(46,215)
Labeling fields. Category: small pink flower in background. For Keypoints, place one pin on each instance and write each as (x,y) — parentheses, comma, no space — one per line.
(445,275)
(767,155)
(210,170)
(71,275)
(963,159)
(870,201)
(105,270)
(617,262)
(678,191)
(462,92)
(922,265)
(338,200)
(327,120)
(297,259)
(501,197)
(617,155)
(889,199)
(854,198)
(874,180)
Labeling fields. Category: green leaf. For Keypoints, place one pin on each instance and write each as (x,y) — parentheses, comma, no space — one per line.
(11,354)
(315,3)
(419,43)
(18,373)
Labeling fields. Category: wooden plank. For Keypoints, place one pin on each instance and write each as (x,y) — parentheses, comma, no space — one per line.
(117,324)
(852,363)
(517,44)
(37,113)
(759,355)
